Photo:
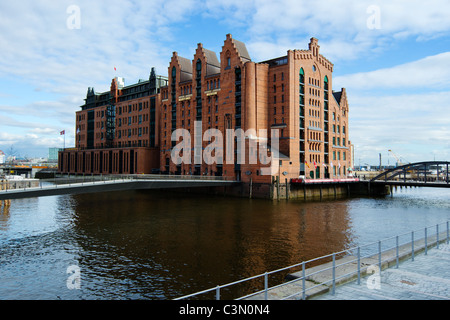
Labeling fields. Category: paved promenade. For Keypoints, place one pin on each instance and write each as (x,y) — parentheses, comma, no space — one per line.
(425,278)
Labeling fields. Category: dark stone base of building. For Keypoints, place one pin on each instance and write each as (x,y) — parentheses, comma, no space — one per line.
(282,191)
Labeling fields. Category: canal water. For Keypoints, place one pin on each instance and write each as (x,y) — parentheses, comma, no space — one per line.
(162,245)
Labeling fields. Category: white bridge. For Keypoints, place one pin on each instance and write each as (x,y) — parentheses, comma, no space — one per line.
(77,187)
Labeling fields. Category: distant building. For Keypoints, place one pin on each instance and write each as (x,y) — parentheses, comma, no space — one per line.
(53,154)
(129,129)
(2,157)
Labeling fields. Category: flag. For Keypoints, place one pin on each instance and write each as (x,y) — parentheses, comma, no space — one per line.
(324,164)
(339,165)
(315,166)
(306,162)
(331,164)
(78,130)
(62,132)
(115,69)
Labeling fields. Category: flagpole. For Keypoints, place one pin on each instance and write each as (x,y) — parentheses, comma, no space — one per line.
(64,134)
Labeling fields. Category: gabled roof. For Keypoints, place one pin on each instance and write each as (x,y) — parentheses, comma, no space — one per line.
(211,58)
(185,64)
(337,96)
(186,69)
(213,64)
(242,49)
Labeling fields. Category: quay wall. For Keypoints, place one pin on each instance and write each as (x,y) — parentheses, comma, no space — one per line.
(279,191)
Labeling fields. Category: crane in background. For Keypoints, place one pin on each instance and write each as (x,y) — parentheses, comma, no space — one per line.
(399,162)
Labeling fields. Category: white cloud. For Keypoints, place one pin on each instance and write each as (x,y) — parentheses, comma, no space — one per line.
(340,25)
(39,50)
(415,125)
(430,72)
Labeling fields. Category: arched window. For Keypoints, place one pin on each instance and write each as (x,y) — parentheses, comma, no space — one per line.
(302,75)
(174,72)
(325,83)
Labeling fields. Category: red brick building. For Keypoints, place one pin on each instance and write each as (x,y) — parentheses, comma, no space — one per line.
(130,128)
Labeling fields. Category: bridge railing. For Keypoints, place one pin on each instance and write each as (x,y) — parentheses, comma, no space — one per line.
(326,272)
(419,171)
(107,177)
(71,180)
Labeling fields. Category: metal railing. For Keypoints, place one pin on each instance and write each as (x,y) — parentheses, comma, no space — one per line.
(102,177)
(86,180)
(339,267)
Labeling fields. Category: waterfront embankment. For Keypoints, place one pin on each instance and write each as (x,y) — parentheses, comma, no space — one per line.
(396,273)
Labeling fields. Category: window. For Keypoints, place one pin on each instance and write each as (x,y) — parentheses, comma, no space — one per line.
(228,62)
(302,75)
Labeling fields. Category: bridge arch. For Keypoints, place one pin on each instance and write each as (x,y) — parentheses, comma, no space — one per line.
(415,171)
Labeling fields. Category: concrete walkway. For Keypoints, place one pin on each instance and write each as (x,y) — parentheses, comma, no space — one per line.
(425,278)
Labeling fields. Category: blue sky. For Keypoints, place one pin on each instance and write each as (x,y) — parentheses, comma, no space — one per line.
(393,57)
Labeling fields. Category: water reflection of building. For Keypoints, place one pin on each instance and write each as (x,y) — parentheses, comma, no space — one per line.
(129,128)
(181,240)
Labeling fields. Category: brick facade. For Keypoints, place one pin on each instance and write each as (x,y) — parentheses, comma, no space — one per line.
(129,129)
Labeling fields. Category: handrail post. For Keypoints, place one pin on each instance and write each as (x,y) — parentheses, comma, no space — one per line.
(266,285)
(334,273)
(379,254)
(425,240)
(396,252)
(437,236)
(303,281)
(359,265)
(218,293)
(412,245)
(447,230)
